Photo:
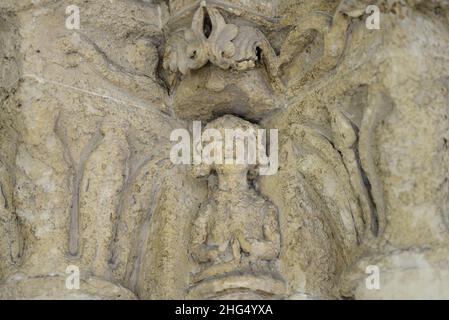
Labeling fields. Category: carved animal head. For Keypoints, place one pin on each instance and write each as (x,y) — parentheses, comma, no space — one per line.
(225,45)
(221,47)
(184,52)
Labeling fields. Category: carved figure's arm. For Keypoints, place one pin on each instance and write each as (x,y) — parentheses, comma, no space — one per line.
(269,247)
(200,251)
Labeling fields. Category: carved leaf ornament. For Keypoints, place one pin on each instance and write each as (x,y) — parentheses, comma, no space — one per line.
(227,46)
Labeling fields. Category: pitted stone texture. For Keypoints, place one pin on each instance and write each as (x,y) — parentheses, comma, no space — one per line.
(85,124)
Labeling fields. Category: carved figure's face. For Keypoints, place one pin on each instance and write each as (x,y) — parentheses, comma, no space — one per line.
(194,56)
(185,52)
(229,145)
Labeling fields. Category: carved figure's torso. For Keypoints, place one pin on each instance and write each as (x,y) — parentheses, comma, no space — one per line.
(231,216)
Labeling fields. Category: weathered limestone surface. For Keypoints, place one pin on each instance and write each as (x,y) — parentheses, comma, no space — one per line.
(86,178)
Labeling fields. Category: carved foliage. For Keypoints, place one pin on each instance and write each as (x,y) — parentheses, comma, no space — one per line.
(226,45)
(333,27)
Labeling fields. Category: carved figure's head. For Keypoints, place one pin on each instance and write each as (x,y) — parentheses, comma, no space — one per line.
(230,146)
(185,51)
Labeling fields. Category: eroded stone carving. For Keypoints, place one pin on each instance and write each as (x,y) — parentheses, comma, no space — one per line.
(236,235)
(354,120)
(226,45)
(333,28)
(79,126)
(138,79)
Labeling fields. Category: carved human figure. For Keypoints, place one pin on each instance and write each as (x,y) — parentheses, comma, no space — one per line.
(236,230)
